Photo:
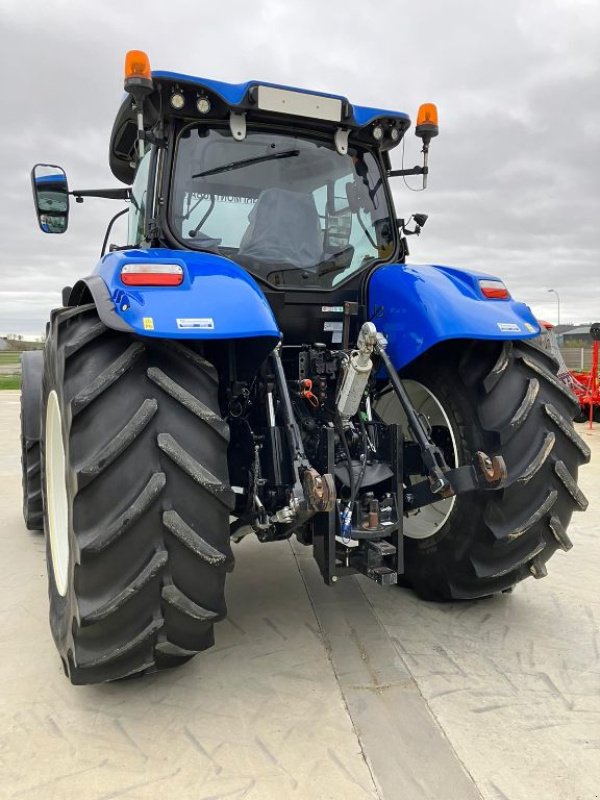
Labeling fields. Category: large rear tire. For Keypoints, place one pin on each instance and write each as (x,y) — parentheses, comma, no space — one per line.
(136,499)
(32,369)
(503,400)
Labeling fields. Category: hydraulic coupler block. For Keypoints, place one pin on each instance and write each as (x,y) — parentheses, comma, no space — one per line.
(357,371)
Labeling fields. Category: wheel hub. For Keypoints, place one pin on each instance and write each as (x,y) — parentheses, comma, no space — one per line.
(426,521)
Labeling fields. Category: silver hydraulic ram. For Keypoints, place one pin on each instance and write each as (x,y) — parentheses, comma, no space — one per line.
(357,372)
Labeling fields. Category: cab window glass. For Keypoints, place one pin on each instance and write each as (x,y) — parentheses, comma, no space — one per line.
(291,210)
(137,211)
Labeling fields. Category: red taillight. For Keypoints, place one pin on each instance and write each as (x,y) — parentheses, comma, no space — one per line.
(152,275)
(494,290)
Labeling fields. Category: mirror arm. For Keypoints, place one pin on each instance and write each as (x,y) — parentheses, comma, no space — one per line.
(123,193)
(396,173)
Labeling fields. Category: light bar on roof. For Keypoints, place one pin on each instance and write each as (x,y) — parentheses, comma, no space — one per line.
(299,104)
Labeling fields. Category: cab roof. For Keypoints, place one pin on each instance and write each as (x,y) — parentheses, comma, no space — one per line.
(235,94)
(257,101)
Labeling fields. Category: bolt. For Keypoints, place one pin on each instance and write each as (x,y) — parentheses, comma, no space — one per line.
(538,569)
(334,578)
(124,307)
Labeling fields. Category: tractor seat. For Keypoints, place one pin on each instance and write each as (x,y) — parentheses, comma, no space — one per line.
(284,226)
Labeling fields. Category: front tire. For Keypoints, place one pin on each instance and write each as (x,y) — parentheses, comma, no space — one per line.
(505,400)
(136,499)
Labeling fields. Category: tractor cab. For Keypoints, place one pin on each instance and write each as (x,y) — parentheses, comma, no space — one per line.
(289,184)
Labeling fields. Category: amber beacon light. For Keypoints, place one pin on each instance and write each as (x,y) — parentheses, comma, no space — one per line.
(137,69)
(427,122)
(138,83)
(426,128)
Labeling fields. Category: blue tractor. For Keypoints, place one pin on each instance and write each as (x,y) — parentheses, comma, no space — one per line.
(259,358)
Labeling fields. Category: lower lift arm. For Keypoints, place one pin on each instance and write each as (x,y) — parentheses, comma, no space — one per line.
(487,472)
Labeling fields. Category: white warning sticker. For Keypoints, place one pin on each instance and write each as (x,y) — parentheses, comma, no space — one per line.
(333,326)
(196,323)
(509,327)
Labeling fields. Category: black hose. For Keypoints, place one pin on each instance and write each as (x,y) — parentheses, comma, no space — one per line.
(344,441)
(354,485)
(109,229)
(363,469)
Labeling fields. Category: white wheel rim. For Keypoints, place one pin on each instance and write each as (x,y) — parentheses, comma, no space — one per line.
(56,494)
(428,520)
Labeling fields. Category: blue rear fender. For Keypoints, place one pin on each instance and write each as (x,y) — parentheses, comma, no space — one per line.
(416,307)
(217,299)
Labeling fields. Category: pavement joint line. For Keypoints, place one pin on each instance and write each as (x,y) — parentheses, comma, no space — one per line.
(406,750)
(325,640)
(397,650)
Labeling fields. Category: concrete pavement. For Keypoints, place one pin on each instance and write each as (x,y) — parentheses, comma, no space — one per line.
(351,692)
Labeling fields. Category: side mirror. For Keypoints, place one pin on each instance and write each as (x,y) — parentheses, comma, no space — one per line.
(50,197)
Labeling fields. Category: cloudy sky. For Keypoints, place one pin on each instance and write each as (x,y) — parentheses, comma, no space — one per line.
(514,184)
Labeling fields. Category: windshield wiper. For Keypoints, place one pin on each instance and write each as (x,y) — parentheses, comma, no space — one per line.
(246,163)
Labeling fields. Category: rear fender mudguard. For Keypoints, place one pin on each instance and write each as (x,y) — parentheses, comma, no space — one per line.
(216,300)
(416,307)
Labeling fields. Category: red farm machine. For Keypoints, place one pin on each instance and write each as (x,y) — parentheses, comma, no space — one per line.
(585,385)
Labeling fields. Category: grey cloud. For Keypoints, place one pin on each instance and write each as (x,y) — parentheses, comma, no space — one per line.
(513,188)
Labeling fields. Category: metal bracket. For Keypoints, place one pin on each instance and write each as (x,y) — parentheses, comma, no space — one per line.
(237,124)
(335,558)
(492,469)
(341,141)
(320,490)
(486,472)
(395,173)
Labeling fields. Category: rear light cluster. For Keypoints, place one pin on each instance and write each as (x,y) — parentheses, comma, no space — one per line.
(152,275)
(494,290)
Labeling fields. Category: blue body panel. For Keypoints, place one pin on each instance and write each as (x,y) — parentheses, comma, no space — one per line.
(418,306)
(52,179)
(221,297)
(235,93)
